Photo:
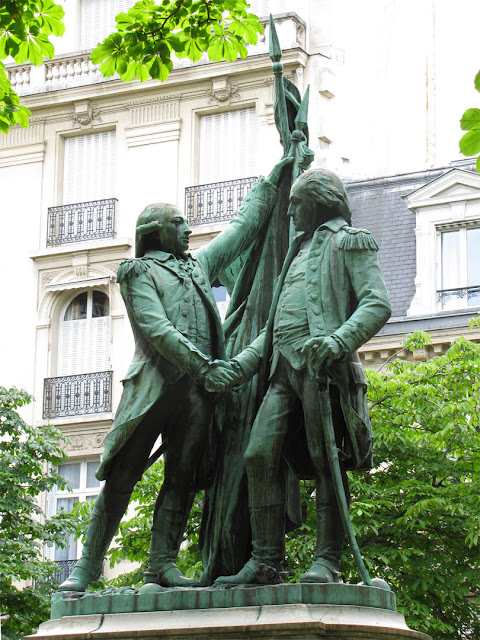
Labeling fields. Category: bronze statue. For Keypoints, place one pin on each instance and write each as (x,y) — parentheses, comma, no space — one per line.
(330,299)
(178,363)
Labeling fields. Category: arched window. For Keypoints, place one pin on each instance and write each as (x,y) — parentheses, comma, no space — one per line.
(84,338)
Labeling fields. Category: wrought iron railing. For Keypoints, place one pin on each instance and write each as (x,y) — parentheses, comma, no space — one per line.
(77,395)
(80,222)
(472,295)
(217,201)
(64,569)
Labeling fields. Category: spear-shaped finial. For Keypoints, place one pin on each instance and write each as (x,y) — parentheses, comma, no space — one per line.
(279,101)
(274,51)
(301,118)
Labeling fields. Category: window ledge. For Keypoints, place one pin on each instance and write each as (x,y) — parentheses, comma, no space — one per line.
(87,418)
(93,246)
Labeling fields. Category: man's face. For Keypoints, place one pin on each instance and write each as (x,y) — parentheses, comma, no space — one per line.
(174,235)
(306,215)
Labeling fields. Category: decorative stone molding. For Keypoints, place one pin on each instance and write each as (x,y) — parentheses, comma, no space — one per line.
(113,266)
(268,114)
(156,112)
(27,154)
(132,104)
(222,91)
(83,113)
(85,441)
(137,136)
(18,136)
(47,276)
(81,271)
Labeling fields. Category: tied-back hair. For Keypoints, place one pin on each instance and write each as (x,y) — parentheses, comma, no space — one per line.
(149,221)
(326,188)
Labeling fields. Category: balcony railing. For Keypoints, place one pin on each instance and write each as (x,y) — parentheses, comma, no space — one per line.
(77,395)
(459,298)
(215,202)
(80,222)
(64,569)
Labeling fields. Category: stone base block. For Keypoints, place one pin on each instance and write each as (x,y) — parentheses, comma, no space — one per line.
(268,622)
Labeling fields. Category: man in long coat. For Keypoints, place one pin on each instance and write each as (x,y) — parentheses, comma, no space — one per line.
(330,299)
(179,346)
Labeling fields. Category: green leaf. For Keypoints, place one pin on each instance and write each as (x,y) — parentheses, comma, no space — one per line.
(102,52)
(470,143)
(45,46)
(109,67)
(477,81)
(470,119)
(34,53)
(141,72)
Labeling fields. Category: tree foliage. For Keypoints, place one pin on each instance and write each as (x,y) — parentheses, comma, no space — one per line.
(147,37)
(25,30)
(25,452)
(149,34)
(416,515)
(470,122)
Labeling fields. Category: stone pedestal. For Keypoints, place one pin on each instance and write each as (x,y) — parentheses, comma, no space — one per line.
(290,612)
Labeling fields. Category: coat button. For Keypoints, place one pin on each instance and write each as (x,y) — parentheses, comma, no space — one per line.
(313,267)
(318,252)
(314,297)
(185,313)
(314,281)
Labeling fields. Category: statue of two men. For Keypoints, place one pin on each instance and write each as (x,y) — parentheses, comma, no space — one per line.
(330,299)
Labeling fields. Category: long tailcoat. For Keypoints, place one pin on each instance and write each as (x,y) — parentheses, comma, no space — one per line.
(345,297)
(159,303)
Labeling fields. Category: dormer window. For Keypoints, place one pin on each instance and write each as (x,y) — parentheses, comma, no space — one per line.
(460,269)
(447,231)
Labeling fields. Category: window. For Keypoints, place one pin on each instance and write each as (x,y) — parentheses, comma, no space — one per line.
(98,19)
(84,337)
(89,167)
(228,146)
(260,8)
(80,477)
(460,268)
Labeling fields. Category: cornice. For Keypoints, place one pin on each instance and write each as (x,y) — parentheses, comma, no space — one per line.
(170,89)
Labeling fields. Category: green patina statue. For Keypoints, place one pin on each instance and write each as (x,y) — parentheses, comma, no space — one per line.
(307,404)
(329,300)
(170,387)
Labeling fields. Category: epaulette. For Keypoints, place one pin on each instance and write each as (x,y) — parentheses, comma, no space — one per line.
(357,239)
(131,267)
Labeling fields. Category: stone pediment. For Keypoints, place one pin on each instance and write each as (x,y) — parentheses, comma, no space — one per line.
(456,185)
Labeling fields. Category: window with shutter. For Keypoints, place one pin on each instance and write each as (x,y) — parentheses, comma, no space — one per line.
(259,8)
(89,167)
(82,486)
(98,19)
(228,146)
(84,337)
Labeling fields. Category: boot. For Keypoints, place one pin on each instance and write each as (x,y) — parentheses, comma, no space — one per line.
(267,517)
(330,536)
(167,534)
(101,528)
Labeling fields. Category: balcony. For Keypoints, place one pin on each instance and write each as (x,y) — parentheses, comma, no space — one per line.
(81,222)
(64,569)
(68,70)
(459,298)
(77,395)
(215,202)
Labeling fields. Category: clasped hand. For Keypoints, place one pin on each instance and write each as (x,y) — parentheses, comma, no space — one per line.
(320,353)
(221,376)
